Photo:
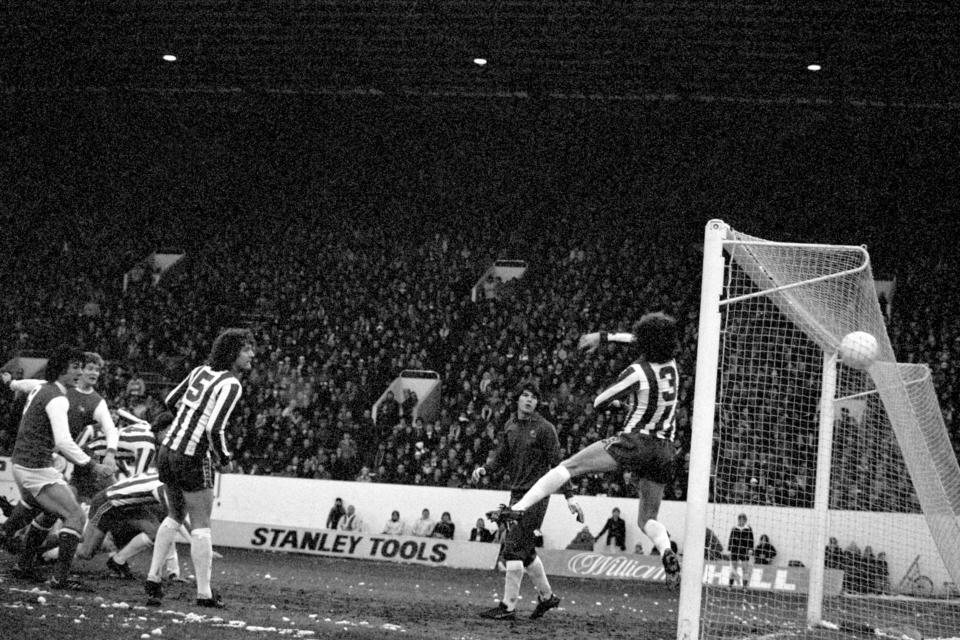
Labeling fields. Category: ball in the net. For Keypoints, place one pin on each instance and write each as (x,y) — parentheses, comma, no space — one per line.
(858,349)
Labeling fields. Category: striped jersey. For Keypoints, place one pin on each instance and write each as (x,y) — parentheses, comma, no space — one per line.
(202,404)
(136,447)
(649,390)
(143,490)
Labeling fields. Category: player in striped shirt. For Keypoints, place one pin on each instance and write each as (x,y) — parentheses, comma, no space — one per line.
(136,445)
(195,443)
(648,389)
(130,511)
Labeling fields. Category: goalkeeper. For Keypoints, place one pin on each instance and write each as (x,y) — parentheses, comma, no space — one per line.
(528,448)
(644,446)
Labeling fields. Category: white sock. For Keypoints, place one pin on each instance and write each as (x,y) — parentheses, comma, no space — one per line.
(166,534)
(546,485)
(658,533)
(135,546)
(201,550)
(511,586)
(51,554)
(539,576)
(172,566)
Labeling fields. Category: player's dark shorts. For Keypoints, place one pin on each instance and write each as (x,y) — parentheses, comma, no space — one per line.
(519,543)
(646,456)
(187,473)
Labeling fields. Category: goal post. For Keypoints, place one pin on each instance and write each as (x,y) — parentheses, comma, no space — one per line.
(811,449)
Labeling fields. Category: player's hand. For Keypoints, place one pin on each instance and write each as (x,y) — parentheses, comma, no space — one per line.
(589,342)
(575,509)
(477,473)
(110,460)
(226,467)
(5,377)
(102,471)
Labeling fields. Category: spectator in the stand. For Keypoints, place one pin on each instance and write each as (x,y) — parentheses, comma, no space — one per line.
(388,413)
(480,533)
(394,525)
(616,530)
(424,526)
(409,404)
(852,569)
(583,540)
(765,551)
(336,512)
(445,528)
(740,546)
(833,555)
(136,387)
(350,521)
(882,583)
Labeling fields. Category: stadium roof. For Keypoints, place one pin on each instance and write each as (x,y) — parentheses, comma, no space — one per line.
(869,52)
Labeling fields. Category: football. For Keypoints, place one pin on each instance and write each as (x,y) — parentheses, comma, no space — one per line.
(858,349)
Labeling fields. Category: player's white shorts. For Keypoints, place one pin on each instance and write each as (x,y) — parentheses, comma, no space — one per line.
(32,481)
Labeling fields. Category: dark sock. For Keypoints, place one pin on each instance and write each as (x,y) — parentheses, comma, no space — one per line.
(68,548)
(31,544)
(21,517)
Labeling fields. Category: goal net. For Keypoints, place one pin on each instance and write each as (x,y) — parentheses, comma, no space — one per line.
(848,472)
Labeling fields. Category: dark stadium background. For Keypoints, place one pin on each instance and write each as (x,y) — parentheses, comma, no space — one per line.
(592,121)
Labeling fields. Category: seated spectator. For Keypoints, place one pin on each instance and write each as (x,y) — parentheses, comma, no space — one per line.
(765,551)
(424,526)
(480,533)
(394,526)
(444,528)
(350,521)
(583,540)
(336,512)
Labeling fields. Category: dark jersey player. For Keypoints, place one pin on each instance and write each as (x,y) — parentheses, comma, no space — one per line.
(645,447)
(196,442)
(528,448)
(45,429)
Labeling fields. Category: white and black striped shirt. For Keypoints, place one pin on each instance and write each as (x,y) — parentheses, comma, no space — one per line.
(650,391)
(136,447)
(202,403)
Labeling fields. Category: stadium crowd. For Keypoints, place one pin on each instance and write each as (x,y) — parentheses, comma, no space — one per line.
(338,315)
(344,290)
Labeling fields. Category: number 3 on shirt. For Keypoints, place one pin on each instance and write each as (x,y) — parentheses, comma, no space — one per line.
(198,387)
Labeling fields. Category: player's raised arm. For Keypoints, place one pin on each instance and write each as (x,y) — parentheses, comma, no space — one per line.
(590,341)
(24,386)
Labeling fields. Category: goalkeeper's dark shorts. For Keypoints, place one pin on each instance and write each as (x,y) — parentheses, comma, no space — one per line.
(647,457)
(519,542)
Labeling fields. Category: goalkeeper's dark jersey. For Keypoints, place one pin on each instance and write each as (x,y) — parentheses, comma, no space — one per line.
(527,450)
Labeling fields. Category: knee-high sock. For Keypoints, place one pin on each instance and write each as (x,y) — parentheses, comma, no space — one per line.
(658,533)
(547,484)
(139,543)
(166,535)
(539,576)
(172,564)
(201,550)
(31,543)
(69,539)
(511,584)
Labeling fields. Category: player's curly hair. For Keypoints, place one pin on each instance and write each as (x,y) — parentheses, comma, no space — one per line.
(60,360)
(227,347)
(92,357)
(656,337)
